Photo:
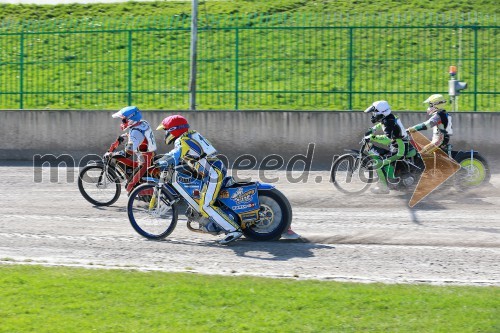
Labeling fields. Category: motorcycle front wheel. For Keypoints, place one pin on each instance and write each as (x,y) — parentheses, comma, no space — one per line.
(351,175)
(154,218)
(275,215)
(99,187)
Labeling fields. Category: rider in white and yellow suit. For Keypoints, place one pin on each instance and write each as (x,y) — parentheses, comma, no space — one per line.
(199,154)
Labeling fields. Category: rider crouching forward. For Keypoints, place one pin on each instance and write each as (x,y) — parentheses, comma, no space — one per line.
(440,122)
(201,157)
(394,138)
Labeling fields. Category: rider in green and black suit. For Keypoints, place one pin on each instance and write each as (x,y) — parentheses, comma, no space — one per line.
(394,138)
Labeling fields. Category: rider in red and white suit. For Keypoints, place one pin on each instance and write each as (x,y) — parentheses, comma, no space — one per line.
(141,141)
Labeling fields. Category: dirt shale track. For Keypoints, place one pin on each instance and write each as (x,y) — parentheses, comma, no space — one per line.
(449,238)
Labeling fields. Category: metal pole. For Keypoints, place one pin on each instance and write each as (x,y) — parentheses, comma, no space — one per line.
(236,69)
(129,59)
(21,72)
(194,42)
(475,67)
(351,52)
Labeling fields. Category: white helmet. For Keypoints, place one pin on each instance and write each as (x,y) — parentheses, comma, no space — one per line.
(380,110)
(434,102)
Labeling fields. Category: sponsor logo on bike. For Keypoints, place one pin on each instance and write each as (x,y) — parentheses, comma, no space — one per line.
(183,180)
(242,197)
(243,206)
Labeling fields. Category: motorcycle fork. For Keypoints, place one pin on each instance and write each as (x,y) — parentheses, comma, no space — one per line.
(103,173)
(153,200)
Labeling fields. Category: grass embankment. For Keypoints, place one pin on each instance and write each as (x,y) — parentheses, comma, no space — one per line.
(40,12)
(38,299)
(252,68)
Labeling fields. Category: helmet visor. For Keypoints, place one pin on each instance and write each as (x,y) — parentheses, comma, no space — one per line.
(376,117)
(125,124)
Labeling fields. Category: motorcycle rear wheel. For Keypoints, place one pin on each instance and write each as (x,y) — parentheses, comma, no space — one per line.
(473,173)
(275,216)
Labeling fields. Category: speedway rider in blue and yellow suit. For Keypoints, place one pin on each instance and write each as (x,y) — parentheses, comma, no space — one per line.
(394,138)
(199,154)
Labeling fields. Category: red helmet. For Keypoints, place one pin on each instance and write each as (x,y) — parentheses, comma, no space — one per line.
(174,126)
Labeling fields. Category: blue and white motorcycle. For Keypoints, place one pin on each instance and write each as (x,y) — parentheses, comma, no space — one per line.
(261,210)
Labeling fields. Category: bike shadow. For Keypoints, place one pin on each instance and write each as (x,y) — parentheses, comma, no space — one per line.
(118,209)
(281,250)
(447,198)
(444,198)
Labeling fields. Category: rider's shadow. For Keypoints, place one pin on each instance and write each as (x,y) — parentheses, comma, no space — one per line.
(277,250)
(440,201)
(269,251)
(118,209)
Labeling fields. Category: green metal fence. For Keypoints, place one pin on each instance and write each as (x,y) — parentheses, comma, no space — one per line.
(253,62)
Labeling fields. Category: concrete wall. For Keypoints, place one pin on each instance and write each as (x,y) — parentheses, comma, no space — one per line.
(25,133)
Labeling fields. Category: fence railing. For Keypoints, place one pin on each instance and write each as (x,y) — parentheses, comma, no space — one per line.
(257,62)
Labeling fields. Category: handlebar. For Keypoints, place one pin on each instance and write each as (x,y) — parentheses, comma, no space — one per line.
(365,139)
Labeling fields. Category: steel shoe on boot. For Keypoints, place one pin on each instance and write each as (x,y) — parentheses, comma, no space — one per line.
(380,190)
(231,236)
(290,234)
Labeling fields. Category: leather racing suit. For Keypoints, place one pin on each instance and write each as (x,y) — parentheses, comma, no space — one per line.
(395,139)
(199,154)
(141,141)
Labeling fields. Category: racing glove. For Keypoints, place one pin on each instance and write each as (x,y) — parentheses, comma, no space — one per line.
(122,138)
(166,162)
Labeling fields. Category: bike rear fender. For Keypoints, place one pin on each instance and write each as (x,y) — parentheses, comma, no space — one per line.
(96,163)
(150,179)
(356,151)
(264,186)
(463,154)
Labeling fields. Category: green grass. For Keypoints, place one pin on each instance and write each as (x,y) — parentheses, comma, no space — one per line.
(168,8)
(286,67)
(39,299)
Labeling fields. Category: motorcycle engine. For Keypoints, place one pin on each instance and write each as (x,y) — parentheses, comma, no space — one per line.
(204,224)
(408,180)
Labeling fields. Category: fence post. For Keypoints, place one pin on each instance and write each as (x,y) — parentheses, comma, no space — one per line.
(475,28)
(351,30)
(129,59)
(236,69)
(21,71)
(193,56)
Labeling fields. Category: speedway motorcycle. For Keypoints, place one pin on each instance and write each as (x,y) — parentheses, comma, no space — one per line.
(100,181)
(261,210)
(353,173)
